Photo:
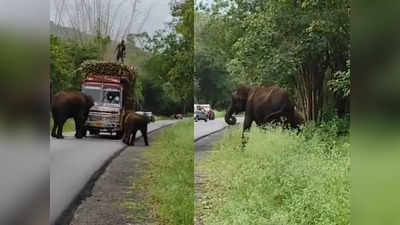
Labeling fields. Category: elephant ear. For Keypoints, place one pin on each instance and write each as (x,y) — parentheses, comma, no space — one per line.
(242,92)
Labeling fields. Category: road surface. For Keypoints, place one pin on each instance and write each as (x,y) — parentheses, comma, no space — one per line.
(74,161)
(202,129)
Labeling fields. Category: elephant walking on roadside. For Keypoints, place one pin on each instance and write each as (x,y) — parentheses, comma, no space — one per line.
(70,104)
(262,105)
(134,122)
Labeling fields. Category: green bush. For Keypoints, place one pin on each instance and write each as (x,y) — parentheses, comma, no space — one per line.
(279,178)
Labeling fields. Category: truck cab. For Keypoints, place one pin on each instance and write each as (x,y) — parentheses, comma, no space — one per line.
(107,93)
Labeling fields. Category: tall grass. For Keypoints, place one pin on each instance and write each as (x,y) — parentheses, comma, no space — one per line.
(168,179)
(279,178)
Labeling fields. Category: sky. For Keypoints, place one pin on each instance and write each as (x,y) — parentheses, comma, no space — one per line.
(158,14)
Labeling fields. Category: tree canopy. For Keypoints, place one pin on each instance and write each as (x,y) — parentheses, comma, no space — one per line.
(299,45)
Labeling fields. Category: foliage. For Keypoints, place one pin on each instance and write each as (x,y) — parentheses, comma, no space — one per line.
(169,175)
(213,85)
(340,83)
(61,66)
(219,114)
(281,177)
(293,44)
(172,54)
(66,55)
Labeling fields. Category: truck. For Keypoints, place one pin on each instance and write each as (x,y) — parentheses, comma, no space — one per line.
(111,85)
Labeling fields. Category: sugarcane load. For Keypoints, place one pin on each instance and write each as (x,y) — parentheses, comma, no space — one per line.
(111,85)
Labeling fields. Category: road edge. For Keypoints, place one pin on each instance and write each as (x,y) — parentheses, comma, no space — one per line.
(206,135)
(67,214)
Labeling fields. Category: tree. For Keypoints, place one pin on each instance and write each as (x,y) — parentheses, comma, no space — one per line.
(213,40)
(66,55)
(96,17)
(60,66)
(172,54)
(340,83)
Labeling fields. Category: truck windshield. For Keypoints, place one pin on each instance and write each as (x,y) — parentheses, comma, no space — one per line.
(94,92)
(112,97)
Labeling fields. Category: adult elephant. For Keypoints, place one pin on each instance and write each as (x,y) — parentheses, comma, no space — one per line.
(262,105)
(70,104)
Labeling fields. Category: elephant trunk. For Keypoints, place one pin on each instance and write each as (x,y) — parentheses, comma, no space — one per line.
(229,118)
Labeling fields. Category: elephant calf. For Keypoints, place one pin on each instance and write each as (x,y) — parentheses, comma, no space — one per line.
(70,104)
(134,122)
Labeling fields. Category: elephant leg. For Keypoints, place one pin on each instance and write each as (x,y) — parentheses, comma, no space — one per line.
(60,128)
(80,130)
(247,123)
(128,139)
(246,127)
(124,137)
(133,138)
(77,127)
(54,130)
(292,120)
(127,135)
(144,134)
(248,119)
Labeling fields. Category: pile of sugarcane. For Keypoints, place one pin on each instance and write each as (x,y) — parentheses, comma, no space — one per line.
(107,68)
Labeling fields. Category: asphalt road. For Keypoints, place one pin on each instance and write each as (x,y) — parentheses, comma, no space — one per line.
(74,161)
(202,129)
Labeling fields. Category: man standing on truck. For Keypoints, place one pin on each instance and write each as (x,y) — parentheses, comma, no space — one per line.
(120,51)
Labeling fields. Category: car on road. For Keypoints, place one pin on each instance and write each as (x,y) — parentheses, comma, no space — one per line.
(207,109)
(200,115)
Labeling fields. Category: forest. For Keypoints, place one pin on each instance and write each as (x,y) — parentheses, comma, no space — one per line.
(302,46)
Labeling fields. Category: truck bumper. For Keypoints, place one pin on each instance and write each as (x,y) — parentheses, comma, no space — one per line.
(103,126)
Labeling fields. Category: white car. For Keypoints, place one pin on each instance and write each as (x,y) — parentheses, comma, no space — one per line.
(200,115)
(205,108)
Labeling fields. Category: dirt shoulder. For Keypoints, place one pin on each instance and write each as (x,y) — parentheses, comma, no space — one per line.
(107,203)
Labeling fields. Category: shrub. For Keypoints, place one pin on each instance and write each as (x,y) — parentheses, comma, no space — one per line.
(281,177)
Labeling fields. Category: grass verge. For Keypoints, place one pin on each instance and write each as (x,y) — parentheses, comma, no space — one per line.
(279,178)
(161,118)
(219,114)
(168,178)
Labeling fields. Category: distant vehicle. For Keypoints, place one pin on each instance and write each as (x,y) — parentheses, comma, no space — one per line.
(200,115)
(179,116)
(207,109)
